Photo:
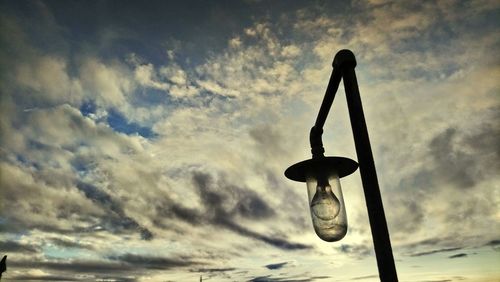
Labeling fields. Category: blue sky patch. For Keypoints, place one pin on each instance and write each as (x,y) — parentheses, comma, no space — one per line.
(88,107)
(120,123)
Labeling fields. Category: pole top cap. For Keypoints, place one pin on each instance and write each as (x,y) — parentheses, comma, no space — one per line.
(344,58)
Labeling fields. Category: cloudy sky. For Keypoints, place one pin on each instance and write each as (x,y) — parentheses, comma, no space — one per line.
(147,140)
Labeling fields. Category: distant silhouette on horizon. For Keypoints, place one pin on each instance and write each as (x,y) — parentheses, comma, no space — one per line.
(3,266)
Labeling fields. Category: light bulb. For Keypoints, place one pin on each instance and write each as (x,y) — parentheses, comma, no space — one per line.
(327,207)
(325,204)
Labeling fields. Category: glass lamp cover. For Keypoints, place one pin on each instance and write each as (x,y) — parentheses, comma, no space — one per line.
(327,206)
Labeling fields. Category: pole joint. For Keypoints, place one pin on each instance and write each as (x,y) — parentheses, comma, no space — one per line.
(317,149)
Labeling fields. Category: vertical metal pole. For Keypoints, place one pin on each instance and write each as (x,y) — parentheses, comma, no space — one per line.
(378,224)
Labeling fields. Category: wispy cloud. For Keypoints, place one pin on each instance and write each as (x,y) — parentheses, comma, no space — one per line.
(461,255)
(434,252)
(151,262)
(276,265)
(16,247)
(364,277)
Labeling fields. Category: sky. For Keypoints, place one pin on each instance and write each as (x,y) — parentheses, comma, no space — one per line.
(147,140)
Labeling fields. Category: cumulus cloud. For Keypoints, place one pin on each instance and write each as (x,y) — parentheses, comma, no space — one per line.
(47,79)
(145,75)
(183,156)
(259,65)
(39,208)
(108,85)
(171,79)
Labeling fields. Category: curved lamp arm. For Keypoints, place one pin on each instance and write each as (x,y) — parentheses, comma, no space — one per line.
(343,59)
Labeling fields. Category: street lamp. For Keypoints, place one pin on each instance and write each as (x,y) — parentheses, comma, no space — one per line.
(322,173)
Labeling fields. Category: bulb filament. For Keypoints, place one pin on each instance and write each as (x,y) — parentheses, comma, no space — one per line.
(325,204)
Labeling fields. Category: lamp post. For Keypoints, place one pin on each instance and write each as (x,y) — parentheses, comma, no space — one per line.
(322,173)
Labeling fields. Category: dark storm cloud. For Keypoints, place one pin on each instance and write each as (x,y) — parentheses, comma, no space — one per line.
(273,241)
(271,144)
(410,213)
(116,220)
(452,163)
(24,277)
(461,255)
(268,140)
(212,199)
(218,198)
(427,242)
(16,247)
(210,270)
(42,278)
(157,25)
(314,278)
(153,262)
(276,265)
(495,244)
(77,266)
(223,204)
(186,214)
(99,196)
(358,251)
(21,226)
(214,273)
(262,279)
(249,205)
(252,206)
(461,160)
(34,26)
(296,206)
(457,153)
(126,264)
(487,138)
(437,245)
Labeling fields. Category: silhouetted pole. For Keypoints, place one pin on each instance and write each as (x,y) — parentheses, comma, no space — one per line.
(3,266)
(343,67)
